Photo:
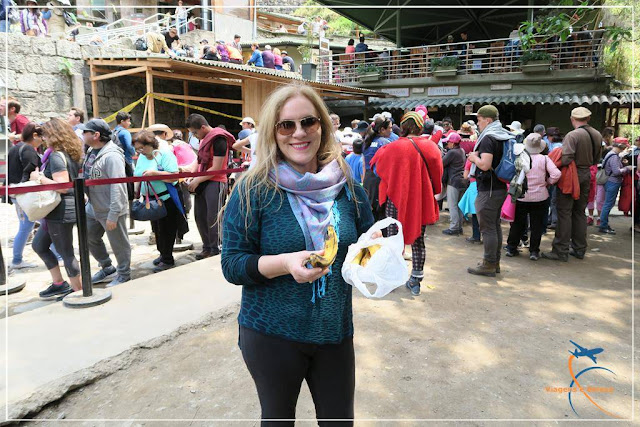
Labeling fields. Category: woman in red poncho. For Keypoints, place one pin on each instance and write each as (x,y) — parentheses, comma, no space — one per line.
(410,171)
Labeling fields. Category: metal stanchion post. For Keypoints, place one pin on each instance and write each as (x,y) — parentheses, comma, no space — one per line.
(89,297)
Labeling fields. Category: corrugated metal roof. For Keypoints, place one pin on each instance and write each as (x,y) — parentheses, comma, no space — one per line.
(542,98)
(246,68)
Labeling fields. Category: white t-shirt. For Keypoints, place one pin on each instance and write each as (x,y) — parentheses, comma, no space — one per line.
(253,141)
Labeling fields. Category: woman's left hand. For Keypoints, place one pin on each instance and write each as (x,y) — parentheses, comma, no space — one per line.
(150,173)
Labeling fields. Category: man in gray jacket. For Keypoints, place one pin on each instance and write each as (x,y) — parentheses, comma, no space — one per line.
(108,204)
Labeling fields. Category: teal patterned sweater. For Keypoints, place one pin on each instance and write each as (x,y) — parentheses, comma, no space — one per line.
(280,306)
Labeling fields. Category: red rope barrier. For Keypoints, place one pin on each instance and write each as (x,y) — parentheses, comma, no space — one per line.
(109,181)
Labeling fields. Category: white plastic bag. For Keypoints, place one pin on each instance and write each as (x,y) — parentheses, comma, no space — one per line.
(386,269)
(38,204)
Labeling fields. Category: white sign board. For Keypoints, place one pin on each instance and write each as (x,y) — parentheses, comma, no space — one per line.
(443,91)
(402,91)
(503,86)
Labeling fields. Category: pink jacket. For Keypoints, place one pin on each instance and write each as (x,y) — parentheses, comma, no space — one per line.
(543,172)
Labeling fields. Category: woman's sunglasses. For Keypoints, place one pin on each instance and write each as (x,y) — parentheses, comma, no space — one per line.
(288,127)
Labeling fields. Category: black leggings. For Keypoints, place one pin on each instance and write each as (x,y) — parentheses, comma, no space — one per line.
(61,235)
(279,366)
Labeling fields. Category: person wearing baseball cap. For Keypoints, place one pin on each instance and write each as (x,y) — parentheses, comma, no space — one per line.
(410,172)
(107,210)
(582,146)
(492,192)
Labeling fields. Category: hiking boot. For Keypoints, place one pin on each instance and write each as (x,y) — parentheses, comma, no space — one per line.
(118,280)
(473,240)
(105,275)
(55,291)
(554,256)
(607,230)
(512,252)
(485,268)
(450,232)
(534,256)
(203,255)
(162,266)
(576,254)
(413,285)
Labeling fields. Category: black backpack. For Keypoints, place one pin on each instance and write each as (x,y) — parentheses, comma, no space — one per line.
(140,44)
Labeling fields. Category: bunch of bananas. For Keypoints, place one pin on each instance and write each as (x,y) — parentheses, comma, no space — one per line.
(330,250)
(365,255)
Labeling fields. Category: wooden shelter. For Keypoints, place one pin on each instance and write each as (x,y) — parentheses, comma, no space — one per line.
(255,83)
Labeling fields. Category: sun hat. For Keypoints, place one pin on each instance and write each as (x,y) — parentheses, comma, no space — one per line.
(248,120)
(161,127)
(516,127)
(534,143)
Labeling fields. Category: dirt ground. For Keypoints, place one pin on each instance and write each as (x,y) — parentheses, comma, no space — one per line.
(467,349)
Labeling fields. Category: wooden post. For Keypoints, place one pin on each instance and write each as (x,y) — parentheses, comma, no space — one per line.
(185,86)
(366,109)
(94,92)
(144,114)
(151,104)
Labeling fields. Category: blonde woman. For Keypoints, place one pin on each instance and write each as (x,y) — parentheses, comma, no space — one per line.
(295,322)
(277,58)
(61,166)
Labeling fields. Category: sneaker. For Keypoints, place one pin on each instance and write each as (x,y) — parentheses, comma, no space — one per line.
(118,281)
(590,220)
(525,243)
(203,255)
(607,230)
(413,286)
(104,275)
(473,240)
(598,222)
(157,260)
(22,264)
(152,239)
(162,266)
(552,226)
(55,291)
(534,256)
(511,253)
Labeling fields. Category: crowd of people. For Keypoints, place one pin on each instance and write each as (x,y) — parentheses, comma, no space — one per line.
(58,150)
(304,173)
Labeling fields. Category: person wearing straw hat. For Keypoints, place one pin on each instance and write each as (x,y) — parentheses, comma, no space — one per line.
(163,134)
(543,172)
(583,146)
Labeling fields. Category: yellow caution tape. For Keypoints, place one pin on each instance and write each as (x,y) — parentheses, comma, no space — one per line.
(131,106)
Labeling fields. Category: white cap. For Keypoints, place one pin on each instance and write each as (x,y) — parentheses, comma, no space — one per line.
(386,115)
(248,120)
(375,116)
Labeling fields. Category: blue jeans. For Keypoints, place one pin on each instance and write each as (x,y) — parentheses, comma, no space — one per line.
(181,26)
(3,26)
(20,240)
(610,194)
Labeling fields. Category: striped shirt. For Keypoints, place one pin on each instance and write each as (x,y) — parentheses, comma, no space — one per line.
(537,179)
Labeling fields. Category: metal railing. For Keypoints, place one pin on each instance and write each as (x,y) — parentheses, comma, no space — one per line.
(126,28)
(580,50)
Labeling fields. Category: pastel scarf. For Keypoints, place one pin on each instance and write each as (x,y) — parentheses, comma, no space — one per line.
(311,197)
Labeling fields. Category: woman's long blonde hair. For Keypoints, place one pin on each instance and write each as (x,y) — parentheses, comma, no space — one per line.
(268,153)
(61,137)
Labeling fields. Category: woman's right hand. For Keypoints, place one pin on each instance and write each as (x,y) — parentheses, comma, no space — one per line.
(295,264)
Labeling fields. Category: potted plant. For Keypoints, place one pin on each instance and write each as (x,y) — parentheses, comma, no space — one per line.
(369,72)
(447,66)
(535,61)
(309,67)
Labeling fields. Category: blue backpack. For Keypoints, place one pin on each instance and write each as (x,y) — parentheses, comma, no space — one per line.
(506,169)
